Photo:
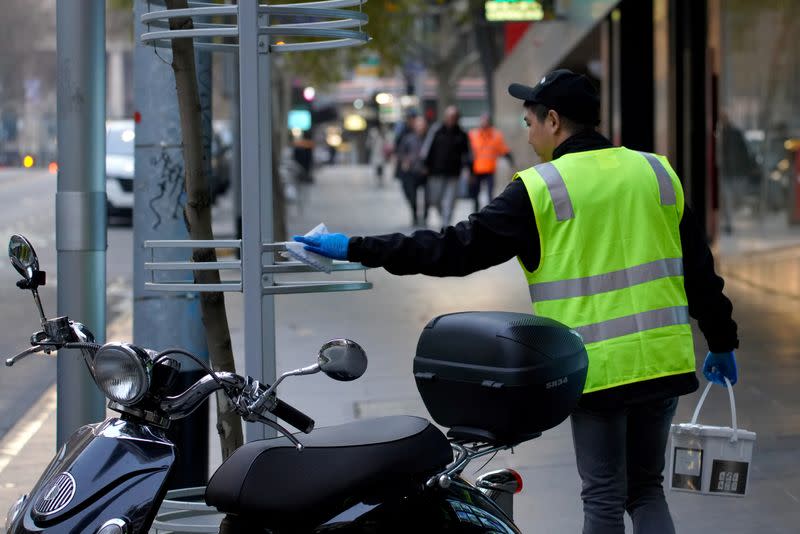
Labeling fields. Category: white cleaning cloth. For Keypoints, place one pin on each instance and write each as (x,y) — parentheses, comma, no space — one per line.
(297,251)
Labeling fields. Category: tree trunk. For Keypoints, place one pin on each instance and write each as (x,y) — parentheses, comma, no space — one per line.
(278,119)
(486,45)
(452,57)
(446,93)
(197,215)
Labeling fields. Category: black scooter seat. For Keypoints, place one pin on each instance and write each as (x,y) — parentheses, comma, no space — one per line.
(274,482)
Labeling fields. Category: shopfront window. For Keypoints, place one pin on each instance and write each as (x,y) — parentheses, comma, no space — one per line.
(759,124)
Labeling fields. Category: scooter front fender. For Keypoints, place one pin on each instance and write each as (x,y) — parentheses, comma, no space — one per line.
(111,470)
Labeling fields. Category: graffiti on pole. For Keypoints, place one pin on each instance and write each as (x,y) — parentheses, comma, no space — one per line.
(170,194)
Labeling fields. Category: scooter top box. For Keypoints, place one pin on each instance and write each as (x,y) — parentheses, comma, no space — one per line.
(506,376)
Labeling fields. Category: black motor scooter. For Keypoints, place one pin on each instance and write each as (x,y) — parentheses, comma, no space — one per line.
(495,379)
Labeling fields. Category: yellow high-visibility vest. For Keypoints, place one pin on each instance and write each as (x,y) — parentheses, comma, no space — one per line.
(611,262)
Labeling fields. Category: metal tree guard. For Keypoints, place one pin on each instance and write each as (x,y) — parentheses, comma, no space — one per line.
(338,27)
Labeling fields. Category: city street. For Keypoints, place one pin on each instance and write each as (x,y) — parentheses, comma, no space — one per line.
(615,115)
(387,320)
(28,200)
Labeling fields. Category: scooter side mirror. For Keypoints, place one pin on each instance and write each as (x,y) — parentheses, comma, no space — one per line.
(342,359)
(23,257)
(25,261)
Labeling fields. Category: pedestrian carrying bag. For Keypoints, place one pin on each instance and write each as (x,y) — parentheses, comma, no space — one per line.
(712,460)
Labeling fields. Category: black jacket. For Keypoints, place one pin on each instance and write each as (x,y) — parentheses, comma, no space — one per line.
(447,151)
(507,228)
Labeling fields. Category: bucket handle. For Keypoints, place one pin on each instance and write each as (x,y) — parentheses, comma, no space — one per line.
(729,387)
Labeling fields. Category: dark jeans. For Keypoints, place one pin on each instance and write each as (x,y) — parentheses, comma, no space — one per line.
(412,182)
(620,455)
(475,187)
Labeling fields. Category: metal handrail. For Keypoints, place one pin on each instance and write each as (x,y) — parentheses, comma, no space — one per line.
(190,287)
(326,9)
(182,287)
(305,11)
(321,45)
(322,4)
(318,3)
(161,16)
(314,32)
(293,288)
(192,265)
(193,243)
(198,32)
(271,288)
(344,23)
(294,267)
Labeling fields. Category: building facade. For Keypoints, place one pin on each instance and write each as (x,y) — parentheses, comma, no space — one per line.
(712,84)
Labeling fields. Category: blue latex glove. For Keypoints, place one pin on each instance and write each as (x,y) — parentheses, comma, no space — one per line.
(720,365)
(330,245)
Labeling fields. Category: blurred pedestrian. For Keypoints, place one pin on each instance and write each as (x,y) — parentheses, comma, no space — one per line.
(738,170)
(609,247)
(777,168)
(403,129)
(377,141)
(303,154)
(412,169)
(446,154)
(488,145)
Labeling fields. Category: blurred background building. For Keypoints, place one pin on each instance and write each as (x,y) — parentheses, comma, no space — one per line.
(713,84)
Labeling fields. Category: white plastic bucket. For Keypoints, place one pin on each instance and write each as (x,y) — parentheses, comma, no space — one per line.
(711,460)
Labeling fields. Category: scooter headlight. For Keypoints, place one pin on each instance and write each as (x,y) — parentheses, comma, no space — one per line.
(122,372)
(14,511)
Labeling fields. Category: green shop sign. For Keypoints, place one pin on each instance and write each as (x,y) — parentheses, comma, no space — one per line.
(515,10)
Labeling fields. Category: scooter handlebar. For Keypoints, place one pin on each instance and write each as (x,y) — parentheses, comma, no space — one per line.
(293,416)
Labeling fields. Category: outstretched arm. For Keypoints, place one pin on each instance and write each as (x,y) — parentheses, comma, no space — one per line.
(503,229)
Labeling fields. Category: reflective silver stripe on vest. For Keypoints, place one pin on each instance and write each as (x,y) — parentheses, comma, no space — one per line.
(558,191)
(603,283)
(631,324)
(665,186)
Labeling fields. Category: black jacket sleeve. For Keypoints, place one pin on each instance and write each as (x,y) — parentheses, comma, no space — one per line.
(503,229)
(707,303)
(506,228)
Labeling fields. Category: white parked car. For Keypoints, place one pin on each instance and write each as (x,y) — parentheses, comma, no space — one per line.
(120,135)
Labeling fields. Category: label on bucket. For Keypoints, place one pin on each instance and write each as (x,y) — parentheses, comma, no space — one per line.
(687,468)
(728,477)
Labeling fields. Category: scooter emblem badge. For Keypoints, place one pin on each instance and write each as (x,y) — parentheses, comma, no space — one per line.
(59,493)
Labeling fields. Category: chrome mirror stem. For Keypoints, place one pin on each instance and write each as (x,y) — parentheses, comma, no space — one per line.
(310,370)
(259,403)
(38,302)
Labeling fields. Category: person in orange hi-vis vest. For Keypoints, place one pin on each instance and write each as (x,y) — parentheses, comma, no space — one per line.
(488,145)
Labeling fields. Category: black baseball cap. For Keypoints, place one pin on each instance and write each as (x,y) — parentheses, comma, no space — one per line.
(571,95)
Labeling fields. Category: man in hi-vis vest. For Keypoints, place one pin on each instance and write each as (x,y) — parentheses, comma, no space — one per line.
(608,247)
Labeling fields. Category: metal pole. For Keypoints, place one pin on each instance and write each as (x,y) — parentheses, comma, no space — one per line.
(162,320)
(256,170)
(80,201)
(236,151)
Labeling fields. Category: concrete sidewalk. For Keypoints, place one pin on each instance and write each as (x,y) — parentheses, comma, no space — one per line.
(387,320)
